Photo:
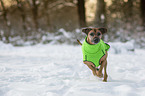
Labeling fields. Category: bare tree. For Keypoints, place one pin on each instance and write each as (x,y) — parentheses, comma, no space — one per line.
(35,12)
(46,12)
(6,22)
(0,30)
(142,7)
(20,6)
(128,11)
(81,13)
(34,8)
(130,6)
(100,16)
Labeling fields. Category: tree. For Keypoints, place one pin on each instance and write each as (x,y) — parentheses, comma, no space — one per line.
(81,13)
(142,7)
(46,12)
(128,17)
(20,6)
(6,22)
(100,16)
(130,6)
(34,8)
(128,11)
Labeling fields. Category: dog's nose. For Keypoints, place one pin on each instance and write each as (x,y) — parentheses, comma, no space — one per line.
(96,40)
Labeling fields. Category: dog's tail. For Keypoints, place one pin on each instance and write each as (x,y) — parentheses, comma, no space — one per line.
(79,42)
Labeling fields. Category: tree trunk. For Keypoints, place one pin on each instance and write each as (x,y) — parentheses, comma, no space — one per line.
(46,12)
(130,6)
(128,11)
(142,7)
(35,13)
(100,16)
(21,8)
(34,9)
(7,23)
(81,13)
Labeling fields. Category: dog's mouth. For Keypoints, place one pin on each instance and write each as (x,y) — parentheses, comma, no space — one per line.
(96,40)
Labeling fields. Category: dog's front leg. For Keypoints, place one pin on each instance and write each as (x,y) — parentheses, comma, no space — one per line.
(103,62)
(91,66)
(105,70)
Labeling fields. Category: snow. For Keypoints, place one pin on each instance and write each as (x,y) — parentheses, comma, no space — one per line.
(58,70)
(119,47)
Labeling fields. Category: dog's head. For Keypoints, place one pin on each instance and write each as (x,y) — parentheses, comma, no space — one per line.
(94,34)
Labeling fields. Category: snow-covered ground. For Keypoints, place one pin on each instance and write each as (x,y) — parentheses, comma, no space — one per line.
(57,70)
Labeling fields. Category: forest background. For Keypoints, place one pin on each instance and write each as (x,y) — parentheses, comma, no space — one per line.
(29,22)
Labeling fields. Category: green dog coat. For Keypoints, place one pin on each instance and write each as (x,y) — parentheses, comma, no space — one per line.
(93,53)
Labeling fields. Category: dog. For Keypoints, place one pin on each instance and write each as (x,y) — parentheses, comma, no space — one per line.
(95,51)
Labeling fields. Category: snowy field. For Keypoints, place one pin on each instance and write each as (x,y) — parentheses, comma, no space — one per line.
(57,70)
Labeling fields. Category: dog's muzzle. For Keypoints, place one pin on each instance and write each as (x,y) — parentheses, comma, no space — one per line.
(96,40)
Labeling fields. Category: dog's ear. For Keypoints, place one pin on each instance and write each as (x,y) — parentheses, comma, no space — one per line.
(103,30)
(86,30)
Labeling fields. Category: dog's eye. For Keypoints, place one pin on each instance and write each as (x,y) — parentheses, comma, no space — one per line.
(98,34)
(92,34)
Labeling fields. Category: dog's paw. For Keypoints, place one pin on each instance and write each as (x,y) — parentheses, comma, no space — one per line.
(105,80)
(100,75)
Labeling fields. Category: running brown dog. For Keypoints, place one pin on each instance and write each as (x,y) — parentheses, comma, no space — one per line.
(95,51)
